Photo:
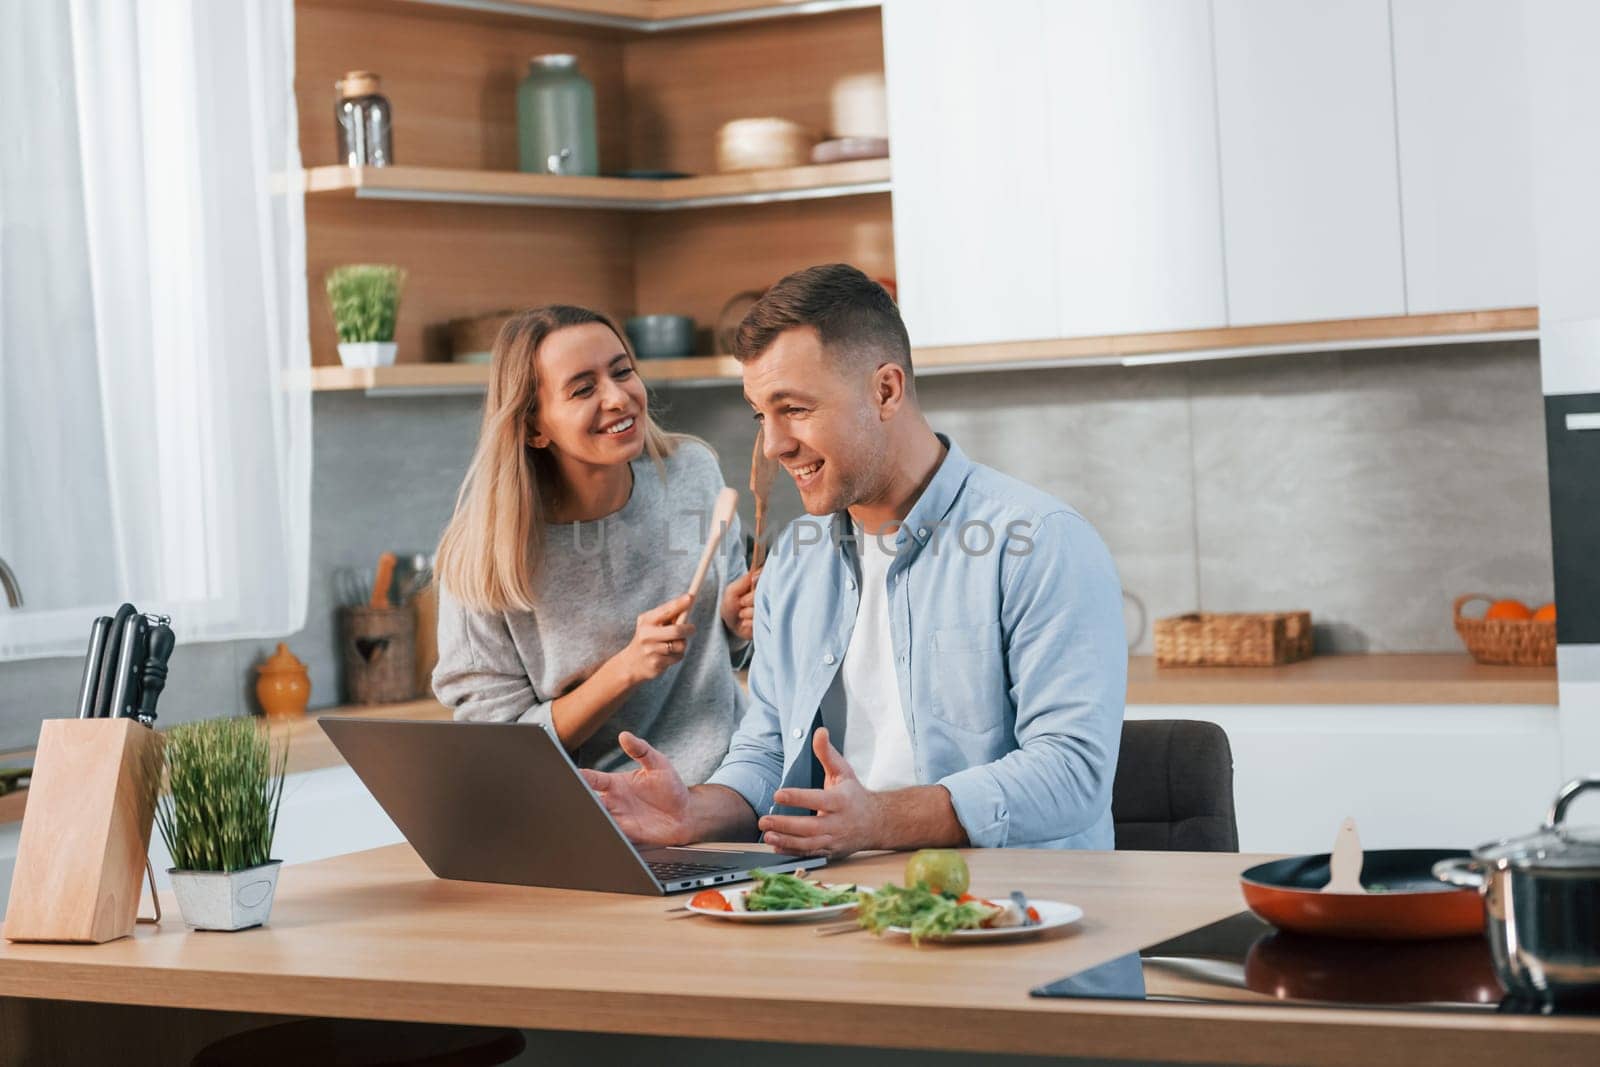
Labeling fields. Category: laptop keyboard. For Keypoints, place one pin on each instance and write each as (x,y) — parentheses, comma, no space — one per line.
(672,872)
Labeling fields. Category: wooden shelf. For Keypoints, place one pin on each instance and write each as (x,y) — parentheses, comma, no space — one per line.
(1126,349)
(820,182)
(1423,678)
(656,16)
(423,378)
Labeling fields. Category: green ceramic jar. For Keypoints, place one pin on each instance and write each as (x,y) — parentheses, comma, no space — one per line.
(555,118)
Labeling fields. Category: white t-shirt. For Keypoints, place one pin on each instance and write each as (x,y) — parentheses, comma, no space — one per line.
(865,694)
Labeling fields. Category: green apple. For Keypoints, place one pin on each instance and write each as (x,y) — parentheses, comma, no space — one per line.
(941,870)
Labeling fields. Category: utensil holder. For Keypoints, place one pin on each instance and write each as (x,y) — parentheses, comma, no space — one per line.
(85,835)
(379,654)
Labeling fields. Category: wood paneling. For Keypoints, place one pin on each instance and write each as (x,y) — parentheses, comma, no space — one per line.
(682,87)
(450,75)
(462,259)
(374,935)
(690,263)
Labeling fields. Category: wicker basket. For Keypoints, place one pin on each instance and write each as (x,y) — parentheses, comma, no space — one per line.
(1506,642)
(1234,639)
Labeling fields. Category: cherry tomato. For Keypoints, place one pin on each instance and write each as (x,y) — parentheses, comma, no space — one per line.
(710,900)
(1033,913)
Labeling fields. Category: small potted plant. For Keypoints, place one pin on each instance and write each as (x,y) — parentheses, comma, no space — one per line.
(217,816)
(365,299)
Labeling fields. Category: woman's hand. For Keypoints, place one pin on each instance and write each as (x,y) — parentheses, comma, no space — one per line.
(659,641)
(739,605)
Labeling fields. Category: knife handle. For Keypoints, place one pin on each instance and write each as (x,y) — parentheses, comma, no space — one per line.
(126,688)
(108,663)
(159,649)
(98,632)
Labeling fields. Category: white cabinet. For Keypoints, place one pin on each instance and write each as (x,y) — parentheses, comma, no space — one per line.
(1466,180)
(1310,185)
(1133,152)
(969,124)
(1413,776)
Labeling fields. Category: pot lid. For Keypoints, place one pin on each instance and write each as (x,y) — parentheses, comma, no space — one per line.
(1556,846)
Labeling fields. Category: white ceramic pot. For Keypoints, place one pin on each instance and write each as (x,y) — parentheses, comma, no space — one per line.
(367,353)
(226,900)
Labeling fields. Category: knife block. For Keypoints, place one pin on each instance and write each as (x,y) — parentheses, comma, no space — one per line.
(85,832)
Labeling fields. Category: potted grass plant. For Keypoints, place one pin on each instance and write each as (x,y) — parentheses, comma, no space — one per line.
(366,300)
(217,816)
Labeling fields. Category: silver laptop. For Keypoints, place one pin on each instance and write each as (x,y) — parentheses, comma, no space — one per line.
(502,802)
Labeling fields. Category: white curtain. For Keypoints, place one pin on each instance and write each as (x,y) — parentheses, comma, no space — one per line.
(155,423)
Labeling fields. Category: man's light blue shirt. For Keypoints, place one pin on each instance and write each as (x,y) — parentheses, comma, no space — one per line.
(1006,617)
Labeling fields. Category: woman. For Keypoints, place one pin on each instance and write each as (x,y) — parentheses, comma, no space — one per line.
(563,573)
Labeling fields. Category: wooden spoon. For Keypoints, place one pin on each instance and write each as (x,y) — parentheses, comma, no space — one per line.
(721,519)
(762,473)
(380,582)
(1345,861)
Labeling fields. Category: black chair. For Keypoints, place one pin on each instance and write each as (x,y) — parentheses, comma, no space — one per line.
(1174,788)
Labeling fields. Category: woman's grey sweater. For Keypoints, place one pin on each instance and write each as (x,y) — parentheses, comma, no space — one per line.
(595,580)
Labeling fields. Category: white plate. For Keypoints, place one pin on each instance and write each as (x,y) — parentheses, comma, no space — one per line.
(1052,913)
(798,915)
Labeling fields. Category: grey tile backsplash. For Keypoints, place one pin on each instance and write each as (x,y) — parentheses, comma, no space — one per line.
(1368,486)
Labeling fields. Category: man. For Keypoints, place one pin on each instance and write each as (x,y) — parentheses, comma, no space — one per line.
(958,632)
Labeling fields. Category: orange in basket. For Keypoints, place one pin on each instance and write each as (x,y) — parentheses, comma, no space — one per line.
(1520,641)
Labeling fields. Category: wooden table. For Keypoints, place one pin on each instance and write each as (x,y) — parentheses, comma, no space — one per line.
(374,935)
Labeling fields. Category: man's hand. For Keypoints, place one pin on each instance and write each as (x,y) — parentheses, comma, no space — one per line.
(739,605)
(849,816)
(651,804)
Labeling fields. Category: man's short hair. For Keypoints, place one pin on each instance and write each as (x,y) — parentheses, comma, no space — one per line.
(855,317)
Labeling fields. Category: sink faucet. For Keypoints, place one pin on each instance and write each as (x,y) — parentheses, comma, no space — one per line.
(9,580)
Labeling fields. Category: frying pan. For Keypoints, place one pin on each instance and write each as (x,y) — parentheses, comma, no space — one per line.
(1411,903)
(1297,967)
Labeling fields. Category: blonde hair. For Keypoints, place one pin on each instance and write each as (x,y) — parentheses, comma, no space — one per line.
(493,547)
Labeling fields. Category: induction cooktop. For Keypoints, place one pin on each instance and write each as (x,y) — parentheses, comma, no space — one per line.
(1243,960)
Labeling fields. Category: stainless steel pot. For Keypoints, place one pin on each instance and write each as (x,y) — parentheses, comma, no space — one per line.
(1541,896)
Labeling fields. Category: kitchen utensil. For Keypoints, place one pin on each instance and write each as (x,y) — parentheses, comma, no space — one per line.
(381,580)
(1345,861)
(763,144)
(1541,897)
(1403,900)
(411,575)
(352,587)
(660,336)
(841,149)
(99,632)
(763,472)
(556,118)
(108,662)
(731,315)
(153,678)
(130,661)
(721,518)
(363,120)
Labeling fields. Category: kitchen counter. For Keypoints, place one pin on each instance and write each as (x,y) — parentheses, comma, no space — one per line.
(374,935)
(1419,678)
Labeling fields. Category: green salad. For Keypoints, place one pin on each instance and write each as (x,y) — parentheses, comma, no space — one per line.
(920,911)
(785,892)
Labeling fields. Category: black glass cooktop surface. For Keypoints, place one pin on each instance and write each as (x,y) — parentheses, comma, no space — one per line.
(1243,960)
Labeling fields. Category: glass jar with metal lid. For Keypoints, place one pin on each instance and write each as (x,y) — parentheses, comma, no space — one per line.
(1541,896)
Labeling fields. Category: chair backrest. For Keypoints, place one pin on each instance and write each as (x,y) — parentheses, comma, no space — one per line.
(1174,788)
